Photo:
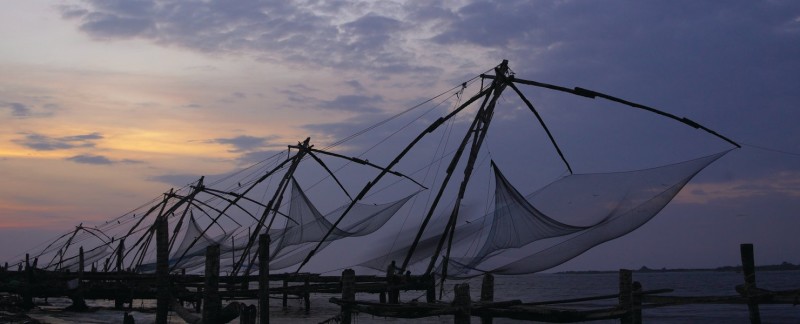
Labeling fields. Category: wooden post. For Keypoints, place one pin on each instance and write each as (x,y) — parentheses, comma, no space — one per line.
(162,270)
(462,301)
(636,303)
(198,301)
(430,293)
(27,296)
(348,294)
(625,288)
(119,296)
(78,303)
(487,294)
(263,279)
(211,300)
(307,294)
(749,270)
(285,300)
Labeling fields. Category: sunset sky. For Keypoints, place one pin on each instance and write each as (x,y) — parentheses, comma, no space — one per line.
(106,104)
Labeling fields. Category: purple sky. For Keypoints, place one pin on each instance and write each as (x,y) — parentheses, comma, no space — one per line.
(107,104)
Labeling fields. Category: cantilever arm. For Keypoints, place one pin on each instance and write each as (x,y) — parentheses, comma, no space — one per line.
(552,140)
(365,162)
(324,166)
(593,94)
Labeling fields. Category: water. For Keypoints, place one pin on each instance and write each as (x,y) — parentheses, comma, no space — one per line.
(531,288)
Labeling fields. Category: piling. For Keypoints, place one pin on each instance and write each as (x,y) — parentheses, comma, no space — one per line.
(462,301)
(749,270)
(162,270)
(263,279)
(119,296)
(348,294)
(306,294)
(285,299)
(487,294)
(27,296)
(78,303)
(430,292)
(636,303)
(625,289)
(211,299)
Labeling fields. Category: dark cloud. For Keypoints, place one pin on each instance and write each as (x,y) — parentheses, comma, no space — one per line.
(354,103)
(17,109)
(41,142)
(244,143)
(249,158)
(99,159)
(290,32)
(23,110)
(177,180)
(90,159)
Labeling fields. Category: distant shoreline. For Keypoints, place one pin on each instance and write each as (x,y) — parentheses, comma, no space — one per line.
(777,267)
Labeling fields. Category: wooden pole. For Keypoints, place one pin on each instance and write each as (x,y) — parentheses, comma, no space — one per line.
(348,294)
(162,269)
(625,288)
(78,303)
(463,302)
(636,303)
(263,279)
(749,270)
(285,299)
(487,294)
(27,296)
(430,292)
(120,298)
(307,294)
(211,299)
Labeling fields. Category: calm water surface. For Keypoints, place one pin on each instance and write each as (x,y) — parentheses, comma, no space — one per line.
(531,288)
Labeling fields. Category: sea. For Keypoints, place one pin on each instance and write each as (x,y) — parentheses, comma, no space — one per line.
(528,288)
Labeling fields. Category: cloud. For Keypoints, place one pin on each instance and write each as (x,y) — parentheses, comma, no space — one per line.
(784,183)
(353,103)
(253,157)
(22,110)
(343,35)
(90,159)
(41,142)
(244,143)
(99,160)
(177,180)
(18,109)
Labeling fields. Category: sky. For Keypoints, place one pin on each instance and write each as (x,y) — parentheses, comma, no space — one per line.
(107,104)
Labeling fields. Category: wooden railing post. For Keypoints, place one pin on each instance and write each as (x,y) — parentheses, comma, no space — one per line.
(285,299)
(119,299)
(430,291)
(307,294)
(487,294)
(348,294)
(636,303)
(749,270)
(263,279)
(625,288)
(463,302)
(211,300)
(27,296)
(162,270)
